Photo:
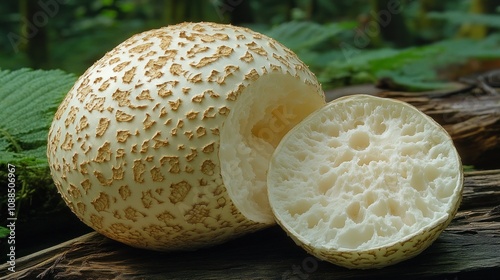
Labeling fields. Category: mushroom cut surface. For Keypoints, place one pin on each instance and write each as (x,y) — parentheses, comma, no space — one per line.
(365,182)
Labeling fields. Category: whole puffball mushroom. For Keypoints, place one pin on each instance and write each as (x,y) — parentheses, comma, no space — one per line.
(164,143)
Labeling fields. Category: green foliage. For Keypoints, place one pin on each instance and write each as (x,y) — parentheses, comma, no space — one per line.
(305,35)
(81,32)
(469,168)
(4,232)
(411,69)
(323,48)
(457,17)
(273,12)
(29,100)
(314,43)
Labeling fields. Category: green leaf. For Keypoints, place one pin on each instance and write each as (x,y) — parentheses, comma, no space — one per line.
(4,232)
(301,35)
(469,168)
(412,69)
(404,82)
(29,100)
(461,17)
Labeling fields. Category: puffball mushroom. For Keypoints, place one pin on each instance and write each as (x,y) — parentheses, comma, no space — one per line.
(365,182)
(164,142)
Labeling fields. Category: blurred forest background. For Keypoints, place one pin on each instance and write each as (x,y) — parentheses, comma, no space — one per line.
(344,42)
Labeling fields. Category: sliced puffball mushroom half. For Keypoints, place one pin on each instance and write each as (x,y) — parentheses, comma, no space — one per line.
(365,182)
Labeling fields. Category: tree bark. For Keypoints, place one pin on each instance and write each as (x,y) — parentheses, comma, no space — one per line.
(34,29)
(392,26)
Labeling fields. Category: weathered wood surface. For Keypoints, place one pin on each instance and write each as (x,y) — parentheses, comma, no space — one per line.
(468,249)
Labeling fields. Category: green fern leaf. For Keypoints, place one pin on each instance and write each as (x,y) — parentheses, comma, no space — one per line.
(301,35)
(415,68)
(28,102)
(456,17)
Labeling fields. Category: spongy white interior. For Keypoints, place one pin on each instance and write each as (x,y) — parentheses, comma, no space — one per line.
(264,113)
(359,175)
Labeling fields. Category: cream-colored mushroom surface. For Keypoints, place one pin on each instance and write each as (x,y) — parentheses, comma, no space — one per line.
(164,143)
(365,182)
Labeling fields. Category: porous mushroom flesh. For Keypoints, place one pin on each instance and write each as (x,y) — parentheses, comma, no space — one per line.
(365,182)
(164,143)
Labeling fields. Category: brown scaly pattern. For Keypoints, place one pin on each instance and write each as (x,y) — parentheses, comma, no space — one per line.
(133,148)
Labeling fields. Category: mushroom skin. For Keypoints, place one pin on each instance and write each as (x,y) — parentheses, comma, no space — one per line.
(134,147)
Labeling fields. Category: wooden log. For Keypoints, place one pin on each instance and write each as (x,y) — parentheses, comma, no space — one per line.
(468,249)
